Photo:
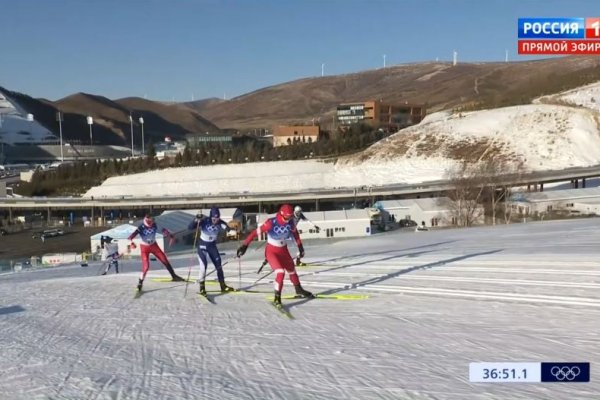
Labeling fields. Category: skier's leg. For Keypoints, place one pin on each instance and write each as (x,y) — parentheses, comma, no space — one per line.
(144,250)
(160,255)
(273,257)
(203,264)
(215,257)
(291,269)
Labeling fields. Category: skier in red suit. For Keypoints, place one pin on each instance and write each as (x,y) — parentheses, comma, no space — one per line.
(147,231)
(279,229)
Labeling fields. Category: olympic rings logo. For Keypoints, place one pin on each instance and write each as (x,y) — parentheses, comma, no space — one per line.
(281,229)
(562,373)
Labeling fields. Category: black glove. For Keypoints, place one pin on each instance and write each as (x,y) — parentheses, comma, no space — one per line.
(301,250)
(242,250)
(318,229)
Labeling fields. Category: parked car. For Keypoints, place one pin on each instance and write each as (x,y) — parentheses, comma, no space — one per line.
(3,232)
(48,233)
(402,223)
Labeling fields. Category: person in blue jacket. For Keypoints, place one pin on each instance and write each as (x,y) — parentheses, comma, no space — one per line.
(209,228)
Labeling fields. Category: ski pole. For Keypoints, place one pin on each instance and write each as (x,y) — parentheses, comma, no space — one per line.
(262,277)
(187,281)
(239,267)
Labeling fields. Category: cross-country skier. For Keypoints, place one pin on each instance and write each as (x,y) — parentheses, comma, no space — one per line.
(147,231)
(298,216)
(110,253)
(209,228)
(279,229)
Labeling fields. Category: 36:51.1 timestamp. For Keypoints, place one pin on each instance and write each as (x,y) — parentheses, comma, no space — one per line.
(504,372)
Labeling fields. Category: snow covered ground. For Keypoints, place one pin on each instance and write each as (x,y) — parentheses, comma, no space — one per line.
(438,300)
(541,136)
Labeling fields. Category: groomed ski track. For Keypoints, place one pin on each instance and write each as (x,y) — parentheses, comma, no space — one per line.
(438,300)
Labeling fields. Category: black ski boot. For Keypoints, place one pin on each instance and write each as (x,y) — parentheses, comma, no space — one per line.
(104,273)
(139,286)
(300,292)
(202,291)
(225,288)
(174,276)
(277,299)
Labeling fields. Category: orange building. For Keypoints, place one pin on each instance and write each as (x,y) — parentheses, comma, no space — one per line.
(284,135)
(379,114)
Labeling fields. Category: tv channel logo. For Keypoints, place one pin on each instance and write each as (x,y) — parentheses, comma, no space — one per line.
(552,28)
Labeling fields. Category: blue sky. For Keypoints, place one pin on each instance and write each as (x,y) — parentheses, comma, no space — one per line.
(176,49)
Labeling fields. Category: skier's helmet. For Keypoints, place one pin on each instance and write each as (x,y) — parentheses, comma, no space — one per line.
(148,220)
(286,211)
(215,213)
(297,210)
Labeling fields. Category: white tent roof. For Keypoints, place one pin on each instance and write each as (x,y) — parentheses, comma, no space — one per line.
(118,232)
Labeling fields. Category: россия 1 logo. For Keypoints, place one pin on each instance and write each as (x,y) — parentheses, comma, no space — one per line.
(559,35)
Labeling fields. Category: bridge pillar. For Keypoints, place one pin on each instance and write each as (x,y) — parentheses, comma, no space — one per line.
(583,183)
(575,183)
(541,187)
(528,187)
(316,204)
(49,215)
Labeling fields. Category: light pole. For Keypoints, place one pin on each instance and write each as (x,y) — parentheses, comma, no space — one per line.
(131,126)
(142,123)
(59,118)
(90,122)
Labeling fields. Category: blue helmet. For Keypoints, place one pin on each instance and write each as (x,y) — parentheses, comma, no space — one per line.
(215,213)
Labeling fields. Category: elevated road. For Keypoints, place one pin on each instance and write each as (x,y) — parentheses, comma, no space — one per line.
(246,198)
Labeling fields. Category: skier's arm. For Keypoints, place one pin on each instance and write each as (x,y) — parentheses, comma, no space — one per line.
(134,234)
(195,222)
(130,238)
(298,241)
(166,232)
(262,228)
(303,218)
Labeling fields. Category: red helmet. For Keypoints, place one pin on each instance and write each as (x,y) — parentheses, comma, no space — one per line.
(286,211)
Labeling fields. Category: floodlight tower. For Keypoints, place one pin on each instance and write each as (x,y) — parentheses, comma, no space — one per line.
(90,122)
(142,123)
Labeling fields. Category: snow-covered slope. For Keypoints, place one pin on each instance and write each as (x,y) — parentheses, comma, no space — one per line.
(538,136)
(438,301)
(16,128)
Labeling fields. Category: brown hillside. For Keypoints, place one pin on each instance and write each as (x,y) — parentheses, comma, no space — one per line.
(161,119)
(440,85)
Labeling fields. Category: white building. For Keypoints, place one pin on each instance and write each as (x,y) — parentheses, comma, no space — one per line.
(584,201)
(332,224)
(434,211)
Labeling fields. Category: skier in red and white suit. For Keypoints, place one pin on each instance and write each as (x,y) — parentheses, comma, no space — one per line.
(147,231)
(279,229)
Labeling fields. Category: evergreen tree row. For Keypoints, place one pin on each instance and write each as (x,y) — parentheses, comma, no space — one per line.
(75,179)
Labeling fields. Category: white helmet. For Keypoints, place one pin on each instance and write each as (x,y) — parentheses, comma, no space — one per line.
(297,210)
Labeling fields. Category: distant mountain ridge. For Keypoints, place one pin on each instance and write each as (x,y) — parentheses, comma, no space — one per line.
(438,85)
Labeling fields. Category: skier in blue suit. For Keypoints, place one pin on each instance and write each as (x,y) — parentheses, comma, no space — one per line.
(210,227)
